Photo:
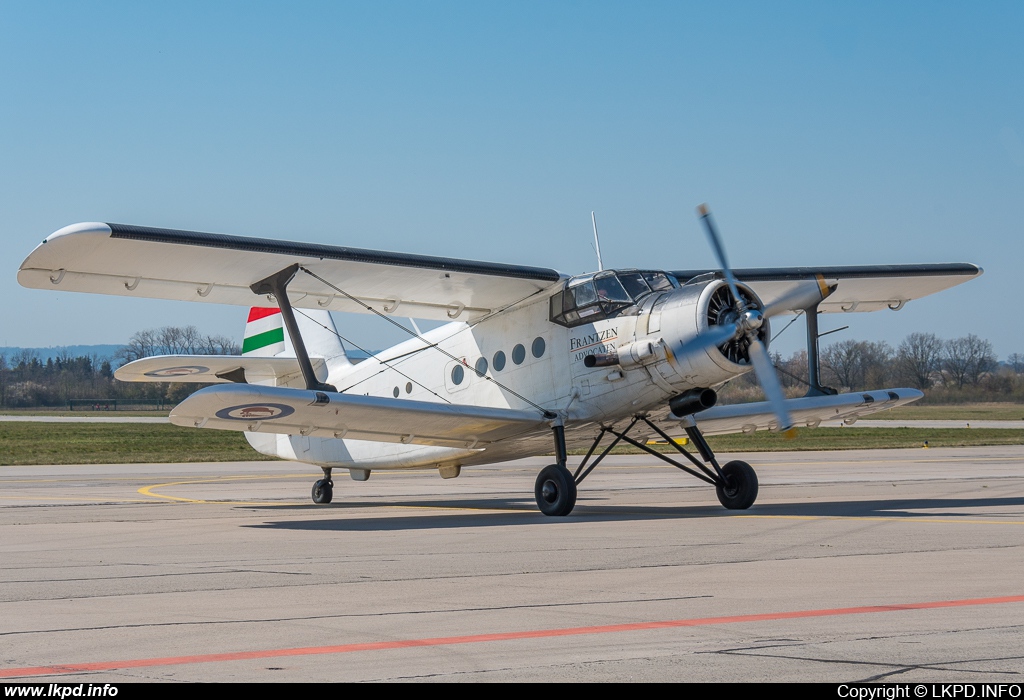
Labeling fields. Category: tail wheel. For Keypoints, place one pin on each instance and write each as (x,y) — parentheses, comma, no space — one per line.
(740,488)
(555,490)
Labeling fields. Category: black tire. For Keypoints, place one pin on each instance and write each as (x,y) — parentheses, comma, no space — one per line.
(555,490)
(740,489)
(323,491)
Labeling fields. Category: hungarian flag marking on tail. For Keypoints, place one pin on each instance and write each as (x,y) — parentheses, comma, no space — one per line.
(264,332)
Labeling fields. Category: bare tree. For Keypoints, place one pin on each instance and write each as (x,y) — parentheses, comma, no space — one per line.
(965,360)
(792,372)
(174,340)
(1016,362)
(855,364)
(840,364)
(220,345)
(3,379)
(141,344)
(876,361)
(24,358)
(179,340)
(918,358)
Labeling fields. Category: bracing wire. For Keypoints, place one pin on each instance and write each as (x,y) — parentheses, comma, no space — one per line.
(791,322)
(414,334)
(370,354)
(791,375)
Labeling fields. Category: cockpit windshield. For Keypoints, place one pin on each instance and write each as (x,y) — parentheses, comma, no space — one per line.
(588,298)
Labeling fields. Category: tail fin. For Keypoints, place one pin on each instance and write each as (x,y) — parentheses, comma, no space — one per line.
(264,333)
(265,336)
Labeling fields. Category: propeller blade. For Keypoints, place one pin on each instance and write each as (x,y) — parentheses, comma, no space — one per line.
(763,367)
(770,384)
(714,336)
(716,243)
(801,297)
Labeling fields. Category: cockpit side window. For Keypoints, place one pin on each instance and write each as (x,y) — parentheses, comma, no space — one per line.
(610,291)
(556,306)
(563,309)
(584,294)
(659,281)
(634,284)
(601,295)
(588,307)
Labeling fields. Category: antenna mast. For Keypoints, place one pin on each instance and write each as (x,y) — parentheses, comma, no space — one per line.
(597,243)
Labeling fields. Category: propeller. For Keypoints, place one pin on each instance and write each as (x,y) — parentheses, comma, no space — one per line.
(748,322)
(802,296)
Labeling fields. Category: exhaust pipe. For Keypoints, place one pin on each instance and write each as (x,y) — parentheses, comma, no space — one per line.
(601,359)
(692,401)
(628,356)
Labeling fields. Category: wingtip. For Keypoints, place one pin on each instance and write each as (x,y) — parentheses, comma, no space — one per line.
(702,209)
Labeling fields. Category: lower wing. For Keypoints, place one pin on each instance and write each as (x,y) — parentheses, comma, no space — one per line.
(807,411)
(266,409)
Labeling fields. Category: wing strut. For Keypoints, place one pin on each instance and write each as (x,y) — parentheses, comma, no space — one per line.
(813,361)
(277,285)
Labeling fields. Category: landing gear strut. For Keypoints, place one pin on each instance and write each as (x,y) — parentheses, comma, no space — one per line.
(555,489)
(736,482)
(323,489)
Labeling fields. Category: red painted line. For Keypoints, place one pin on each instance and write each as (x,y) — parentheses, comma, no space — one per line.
(59,669)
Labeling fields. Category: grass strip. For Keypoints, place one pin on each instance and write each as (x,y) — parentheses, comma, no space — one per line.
(118,443)
(964,412)
(810,439)
(127,443)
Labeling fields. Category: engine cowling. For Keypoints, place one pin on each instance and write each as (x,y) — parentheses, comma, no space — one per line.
(678,319)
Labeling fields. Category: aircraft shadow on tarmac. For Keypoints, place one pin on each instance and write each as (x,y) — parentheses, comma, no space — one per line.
(481,512)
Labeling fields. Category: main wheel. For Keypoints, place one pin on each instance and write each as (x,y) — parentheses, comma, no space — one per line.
(323,491)
(555,490)
(740,489)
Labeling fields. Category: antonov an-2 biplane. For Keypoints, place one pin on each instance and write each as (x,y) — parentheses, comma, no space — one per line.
(529,358)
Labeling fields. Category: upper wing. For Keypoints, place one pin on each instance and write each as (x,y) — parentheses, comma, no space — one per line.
(858,287)
(809,411)
(263,409)
(213,369)
(189,266)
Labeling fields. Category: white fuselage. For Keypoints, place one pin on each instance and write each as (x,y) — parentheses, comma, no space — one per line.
(543,368)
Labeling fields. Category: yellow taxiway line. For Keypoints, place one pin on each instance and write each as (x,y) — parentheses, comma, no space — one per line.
(148,490)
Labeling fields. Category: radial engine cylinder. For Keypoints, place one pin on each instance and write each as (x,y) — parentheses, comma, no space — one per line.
(687,313)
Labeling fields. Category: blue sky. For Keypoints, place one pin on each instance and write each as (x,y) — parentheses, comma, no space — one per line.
(818,133)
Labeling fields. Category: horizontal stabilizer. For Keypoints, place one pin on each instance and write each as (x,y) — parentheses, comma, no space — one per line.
(330,414)
(807,411)
(212,369)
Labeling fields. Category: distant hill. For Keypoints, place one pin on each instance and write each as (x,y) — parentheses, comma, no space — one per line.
(102,352)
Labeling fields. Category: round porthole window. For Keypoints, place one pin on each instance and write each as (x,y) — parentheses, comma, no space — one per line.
(499,361)
(481,366)
(518,354)
(458,374)
(538,346)
(408,387)
(395,392)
